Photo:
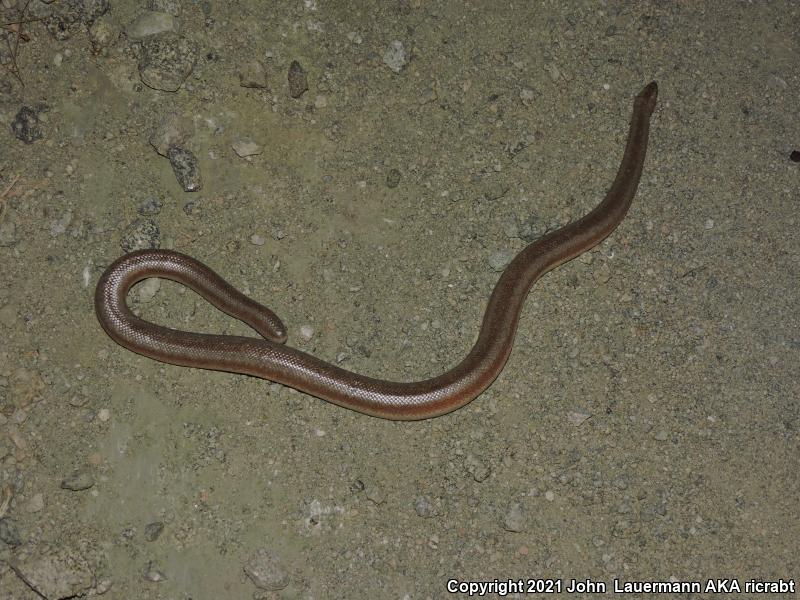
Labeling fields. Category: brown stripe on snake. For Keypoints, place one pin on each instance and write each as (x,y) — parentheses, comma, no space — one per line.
(270,359)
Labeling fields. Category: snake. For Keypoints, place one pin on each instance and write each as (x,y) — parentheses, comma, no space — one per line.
(270,358)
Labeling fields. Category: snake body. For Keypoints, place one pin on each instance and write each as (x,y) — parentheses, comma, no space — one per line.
(271,359)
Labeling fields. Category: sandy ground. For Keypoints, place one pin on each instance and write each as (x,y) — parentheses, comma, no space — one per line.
(646,425)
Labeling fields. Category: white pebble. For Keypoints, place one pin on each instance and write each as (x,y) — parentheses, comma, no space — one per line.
(527,96)
(245,148)
(395,56)
(577,417)
(104,414)
(306,332)
(515,519)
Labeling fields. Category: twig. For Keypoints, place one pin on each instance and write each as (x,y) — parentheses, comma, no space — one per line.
(9,186)
(15,27)
(6,495)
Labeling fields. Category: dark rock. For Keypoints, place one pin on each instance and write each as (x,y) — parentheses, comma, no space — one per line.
(26,125)
(298,80)
(153,530)
(393,178)
(9,534)
(187,171)
(66,16)
(142,233)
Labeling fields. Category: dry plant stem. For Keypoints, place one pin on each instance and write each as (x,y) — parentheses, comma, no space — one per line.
(15,27)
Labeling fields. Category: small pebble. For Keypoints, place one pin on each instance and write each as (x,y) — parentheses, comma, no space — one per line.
(60,225)
(499,260)
(26,126)
(514,519)
(9,534)
(527,96)
(476,468)
(253,75)
(424,507)
(306,332)
(266,571)
(78,400)
(142,233)
(393,178)
(153,530)
(104,414)
(298,80)
(81,479)
(165,61)
(193,208)
(245,148)
(102,34)
(151,23)
(577,417)
(186,169)
(150,207)
(153,573)
(53,571)
(173,130)
(395,56)
(374,494)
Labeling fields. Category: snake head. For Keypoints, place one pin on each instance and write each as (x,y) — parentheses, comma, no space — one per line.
(647,98)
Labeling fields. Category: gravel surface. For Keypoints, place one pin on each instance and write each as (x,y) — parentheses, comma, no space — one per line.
(366,169)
